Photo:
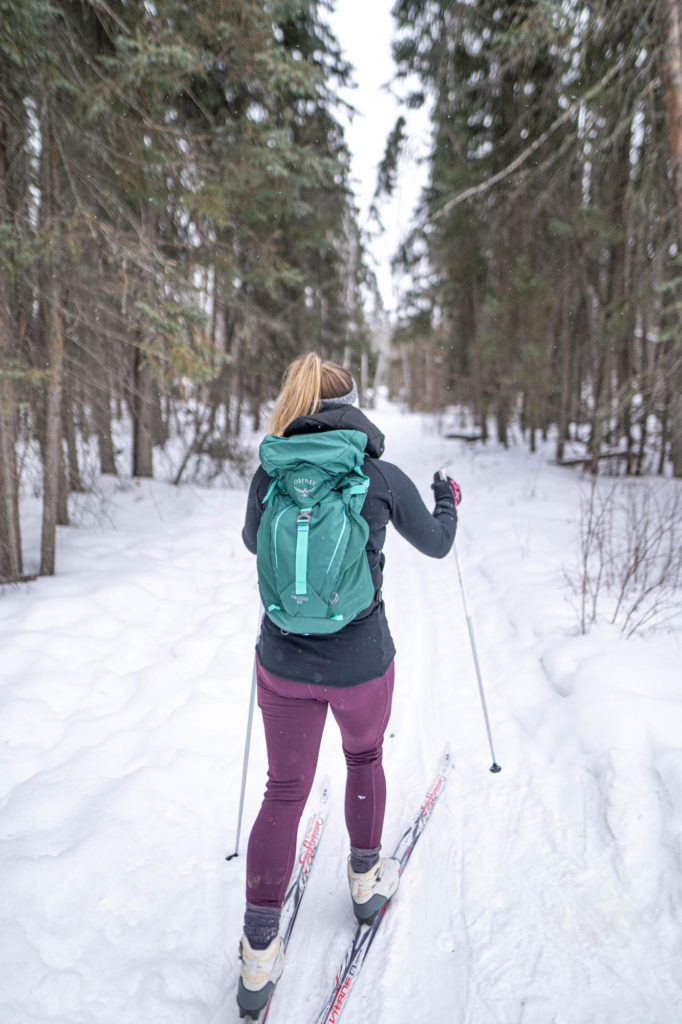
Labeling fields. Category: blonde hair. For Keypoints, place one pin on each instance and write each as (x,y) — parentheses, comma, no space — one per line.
(307,380)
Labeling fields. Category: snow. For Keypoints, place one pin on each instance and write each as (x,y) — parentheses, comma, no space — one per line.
(551,892)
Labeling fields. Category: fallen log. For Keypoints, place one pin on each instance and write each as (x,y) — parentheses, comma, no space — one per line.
(464,437)
(586,460)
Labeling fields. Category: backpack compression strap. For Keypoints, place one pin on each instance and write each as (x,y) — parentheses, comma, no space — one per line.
(302,534)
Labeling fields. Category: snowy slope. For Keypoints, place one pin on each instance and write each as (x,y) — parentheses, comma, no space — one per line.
(550,892)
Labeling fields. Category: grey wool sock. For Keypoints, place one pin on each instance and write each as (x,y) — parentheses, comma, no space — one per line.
(362,860)
(261,924)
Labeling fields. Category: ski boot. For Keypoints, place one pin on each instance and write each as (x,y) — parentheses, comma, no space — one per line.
(261,970)
(371,890)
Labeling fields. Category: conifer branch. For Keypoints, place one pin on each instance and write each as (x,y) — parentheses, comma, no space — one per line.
(517,162)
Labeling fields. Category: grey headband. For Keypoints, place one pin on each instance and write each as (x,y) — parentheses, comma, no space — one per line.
(350,399)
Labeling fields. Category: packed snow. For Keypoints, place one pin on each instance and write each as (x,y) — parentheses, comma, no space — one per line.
(551,892)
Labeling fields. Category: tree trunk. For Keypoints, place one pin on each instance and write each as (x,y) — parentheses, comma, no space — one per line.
(75,482)
(565,387)
(160,422)
(665,416)
(502,420)
(480,405)
(52,448)
(62,489)
(600,412)
(364,376)
(53,342)
(105,443)
(233,394)
(671,77)
(10,537)
(143,416)
(407,373)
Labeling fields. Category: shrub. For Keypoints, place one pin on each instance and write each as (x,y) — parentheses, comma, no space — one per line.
(630,554)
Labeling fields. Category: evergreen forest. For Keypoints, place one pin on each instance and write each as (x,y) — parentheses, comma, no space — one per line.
(177,222)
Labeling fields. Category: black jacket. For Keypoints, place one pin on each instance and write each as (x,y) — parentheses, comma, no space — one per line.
(364,648)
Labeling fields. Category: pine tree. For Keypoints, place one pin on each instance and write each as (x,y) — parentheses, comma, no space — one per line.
(21,53)
(540,248)
(176,221)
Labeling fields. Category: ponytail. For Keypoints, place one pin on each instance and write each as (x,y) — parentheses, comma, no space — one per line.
(306,382)
(300,394)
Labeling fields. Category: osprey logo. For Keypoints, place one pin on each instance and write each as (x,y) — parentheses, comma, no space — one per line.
(304,486)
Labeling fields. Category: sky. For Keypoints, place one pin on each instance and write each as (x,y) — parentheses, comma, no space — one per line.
(364,29)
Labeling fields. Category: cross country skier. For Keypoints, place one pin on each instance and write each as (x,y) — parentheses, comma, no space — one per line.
(350,671)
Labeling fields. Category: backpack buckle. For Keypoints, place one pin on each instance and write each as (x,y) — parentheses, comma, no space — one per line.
(303,517)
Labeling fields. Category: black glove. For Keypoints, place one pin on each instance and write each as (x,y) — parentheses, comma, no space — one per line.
(445,487)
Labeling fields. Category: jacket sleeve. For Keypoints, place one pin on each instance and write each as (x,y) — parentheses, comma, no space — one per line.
(255,508)
(432,533)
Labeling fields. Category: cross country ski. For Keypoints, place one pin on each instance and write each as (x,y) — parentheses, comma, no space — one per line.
(297,886)
(364,934)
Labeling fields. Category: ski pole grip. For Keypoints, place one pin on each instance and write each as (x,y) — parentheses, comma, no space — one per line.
(455,489)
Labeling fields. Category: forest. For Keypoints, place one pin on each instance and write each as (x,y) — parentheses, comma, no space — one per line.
(177,222)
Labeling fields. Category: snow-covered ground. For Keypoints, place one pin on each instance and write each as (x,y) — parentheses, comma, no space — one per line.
(551,892)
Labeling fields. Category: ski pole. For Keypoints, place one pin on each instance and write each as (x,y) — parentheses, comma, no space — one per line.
(247,748)
(495,767)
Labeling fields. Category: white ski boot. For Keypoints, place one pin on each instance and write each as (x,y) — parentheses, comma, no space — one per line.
(261,970)
(371,890)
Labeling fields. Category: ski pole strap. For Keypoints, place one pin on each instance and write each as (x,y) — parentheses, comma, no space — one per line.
(302,534)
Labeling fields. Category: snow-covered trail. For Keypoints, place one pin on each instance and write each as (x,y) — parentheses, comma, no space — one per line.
(550,892)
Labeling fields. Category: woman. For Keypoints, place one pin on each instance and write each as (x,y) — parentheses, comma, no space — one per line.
(349,671)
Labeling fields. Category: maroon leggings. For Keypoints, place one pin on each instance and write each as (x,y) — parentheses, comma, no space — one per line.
(294,715)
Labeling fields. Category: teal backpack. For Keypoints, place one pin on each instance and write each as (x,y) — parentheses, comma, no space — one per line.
(313,572)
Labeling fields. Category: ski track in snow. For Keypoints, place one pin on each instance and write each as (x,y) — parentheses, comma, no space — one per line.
(548,893)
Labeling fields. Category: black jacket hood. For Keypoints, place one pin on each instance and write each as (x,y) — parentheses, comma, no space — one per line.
(343,417)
